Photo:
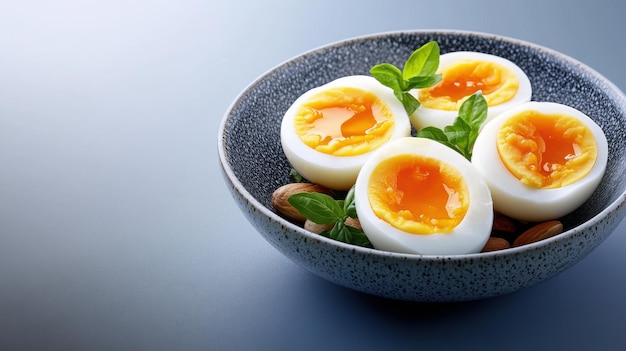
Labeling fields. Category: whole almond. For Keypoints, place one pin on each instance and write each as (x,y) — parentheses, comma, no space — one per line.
(280,198)
(503,224)
(539,232)
(495,244)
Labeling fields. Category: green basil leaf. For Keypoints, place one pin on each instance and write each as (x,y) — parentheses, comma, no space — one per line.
(462,134)
(295,176)
(474,110)
(423,62)
(342,206)
(357,237)
(419,72)
(421,82)
(348,234)
(459,137)
(438,135)
(388,75)
(317,207)
(458,132)
(337,232)
(349,207)
(409,101)
(433,133)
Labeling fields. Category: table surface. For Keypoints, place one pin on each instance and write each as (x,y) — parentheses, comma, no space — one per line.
(117,230)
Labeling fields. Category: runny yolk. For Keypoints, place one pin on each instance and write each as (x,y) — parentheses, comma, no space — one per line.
(546,150)
(461,80)
(418,195)
(344,122)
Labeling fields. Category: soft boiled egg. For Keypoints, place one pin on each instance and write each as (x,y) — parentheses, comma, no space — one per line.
(541,160)
(416,195)
(329,132)
(502,83)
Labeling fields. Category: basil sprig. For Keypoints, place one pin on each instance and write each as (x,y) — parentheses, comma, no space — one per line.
(323,209)
(462,134)
(419,72)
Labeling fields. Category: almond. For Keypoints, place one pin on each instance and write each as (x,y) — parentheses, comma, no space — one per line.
(495,244)
(318,228)
(503,224)
(280,198)
(354,222)
(539,232)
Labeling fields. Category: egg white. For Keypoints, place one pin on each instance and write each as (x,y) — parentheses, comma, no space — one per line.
(469,236)
(517,200)
(337,172)
(425,116)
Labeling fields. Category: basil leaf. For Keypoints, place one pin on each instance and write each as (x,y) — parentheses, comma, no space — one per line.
(421,82)
(340,203)
(357,237)
(433,133)
(349,207)
(458,134)
(323,209)
(388,75)
(295,176)
(409,101)
(418,73)
(474,110)
(317,207)
(438,135)
(348,234)
(423,62)
(336,232)
(462,134)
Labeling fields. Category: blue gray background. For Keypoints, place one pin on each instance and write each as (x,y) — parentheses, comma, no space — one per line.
(117,231)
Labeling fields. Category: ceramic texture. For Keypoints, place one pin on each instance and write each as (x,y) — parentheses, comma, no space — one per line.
(253,166)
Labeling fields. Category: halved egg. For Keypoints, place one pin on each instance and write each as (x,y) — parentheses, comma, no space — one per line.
(415,195)
(541,160)
(329,132)
(503,84)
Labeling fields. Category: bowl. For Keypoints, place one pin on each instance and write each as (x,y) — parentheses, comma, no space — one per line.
(253,166)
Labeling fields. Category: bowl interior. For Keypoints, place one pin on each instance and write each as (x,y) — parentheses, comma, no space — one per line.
(251,134)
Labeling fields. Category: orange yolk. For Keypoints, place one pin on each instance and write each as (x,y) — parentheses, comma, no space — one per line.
(344,122)
(546,150)
(418,195)
(497,84)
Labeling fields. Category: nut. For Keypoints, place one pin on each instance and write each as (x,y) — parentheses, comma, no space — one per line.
(319,228)
(354,222)
(503,224)
(494,244)
(280,198)
(539,232)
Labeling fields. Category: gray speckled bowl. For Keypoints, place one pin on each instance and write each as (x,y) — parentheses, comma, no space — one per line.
(254,166)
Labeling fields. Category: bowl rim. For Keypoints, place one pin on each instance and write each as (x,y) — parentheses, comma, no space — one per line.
(228,172)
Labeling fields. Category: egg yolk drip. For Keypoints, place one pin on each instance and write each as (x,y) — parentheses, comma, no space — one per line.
(497,83)
(546,150)
(418,195)
(344,122)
